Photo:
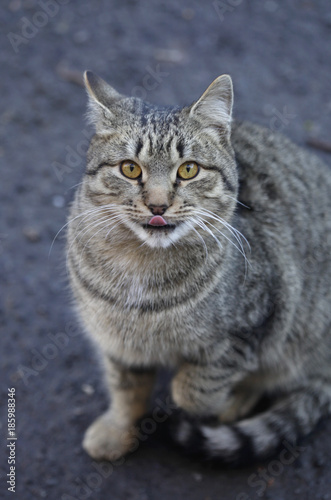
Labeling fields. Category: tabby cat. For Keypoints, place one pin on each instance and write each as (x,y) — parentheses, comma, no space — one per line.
(203,245)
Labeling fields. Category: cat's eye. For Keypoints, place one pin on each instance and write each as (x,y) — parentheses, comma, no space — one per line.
(188,170)
(130,169)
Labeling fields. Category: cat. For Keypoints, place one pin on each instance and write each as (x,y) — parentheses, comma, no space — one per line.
(202,243)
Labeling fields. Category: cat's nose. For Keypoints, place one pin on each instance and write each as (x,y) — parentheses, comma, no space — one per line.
(157,209)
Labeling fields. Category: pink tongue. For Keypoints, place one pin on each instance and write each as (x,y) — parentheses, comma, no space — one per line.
(157,220)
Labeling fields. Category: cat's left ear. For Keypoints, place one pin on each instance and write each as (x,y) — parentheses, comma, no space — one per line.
(214,108)
(102,100)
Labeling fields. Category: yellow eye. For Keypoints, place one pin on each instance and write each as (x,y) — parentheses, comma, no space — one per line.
(188,170)
(130,169)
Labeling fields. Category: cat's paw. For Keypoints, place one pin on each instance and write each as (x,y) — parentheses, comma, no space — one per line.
(106,439)
(238,406)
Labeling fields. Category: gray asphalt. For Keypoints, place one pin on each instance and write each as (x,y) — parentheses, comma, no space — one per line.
(278,54)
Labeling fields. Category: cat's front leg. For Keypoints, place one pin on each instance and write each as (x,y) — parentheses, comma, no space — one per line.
(214,391)
(112,435)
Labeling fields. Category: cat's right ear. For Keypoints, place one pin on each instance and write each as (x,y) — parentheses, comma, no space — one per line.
(214,108)
(102,99)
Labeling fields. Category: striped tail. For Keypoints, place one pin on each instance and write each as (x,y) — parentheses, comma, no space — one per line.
(258,437)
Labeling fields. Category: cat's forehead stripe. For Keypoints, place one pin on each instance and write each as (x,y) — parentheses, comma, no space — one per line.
(139,147)
(160,147)
(180,148)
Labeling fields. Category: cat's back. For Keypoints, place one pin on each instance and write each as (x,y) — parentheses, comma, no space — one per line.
(278,178)
(288,194)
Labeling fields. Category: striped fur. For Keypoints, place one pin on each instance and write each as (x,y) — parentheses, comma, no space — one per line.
(236,323)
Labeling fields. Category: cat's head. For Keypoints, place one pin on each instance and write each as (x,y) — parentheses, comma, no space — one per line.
(166,172)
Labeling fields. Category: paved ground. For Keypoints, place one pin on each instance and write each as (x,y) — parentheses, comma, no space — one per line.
(278,54)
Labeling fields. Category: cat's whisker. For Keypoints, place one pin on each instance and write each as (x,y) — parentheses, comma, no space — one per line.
(144,243)
(65,225)
(240,249)
(100,210)
(247,263)
(237,234)
(112,219)
(224,224)
(75,185)
(85,215)
(118,223)
(86,229)
(203,226)
(200,236)
(90,211)
(104,226)
(237,201)
(228,239)
(173,243)
(227,224)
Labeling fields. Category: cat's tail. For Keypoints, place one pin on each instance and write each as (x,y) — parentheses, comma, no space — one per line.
(258,437)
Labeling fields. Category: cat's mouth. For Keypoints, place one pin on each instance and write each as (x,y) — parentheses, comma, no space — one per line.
(166,227)
(159,231)
(158,223)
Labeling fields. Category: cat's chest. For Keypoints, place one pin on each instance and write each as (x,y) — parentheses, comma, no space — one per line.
(158,314)
(159,287)
(155,334)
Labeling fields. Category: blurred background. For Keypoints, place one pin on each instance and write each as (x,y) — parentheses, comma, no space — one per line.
(278,54)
